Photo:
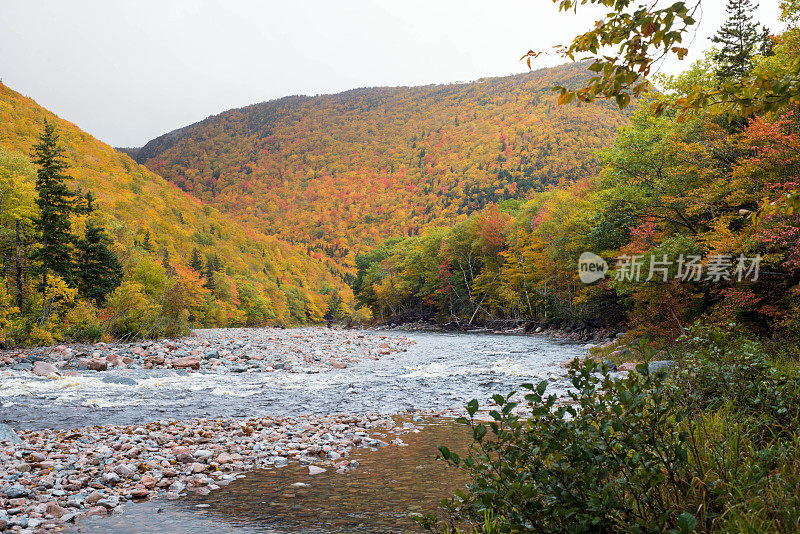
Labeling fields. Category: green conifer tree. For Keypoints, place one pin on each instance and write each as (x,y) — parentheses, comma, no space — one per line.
(740,39)
(210,274)
(99,271)
(56,205)
(196,263)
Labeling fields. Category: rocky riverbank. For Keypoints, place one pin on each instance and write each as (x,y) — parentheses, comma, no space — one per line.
(575,331)
(228,350)
(48,477)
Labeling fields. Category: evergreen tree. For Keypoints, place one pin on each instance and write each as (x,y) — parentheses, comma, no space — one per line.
(99,271)
(147,243)
(210,274)
(56,206)
(89,208)
(196,263)
(741,38)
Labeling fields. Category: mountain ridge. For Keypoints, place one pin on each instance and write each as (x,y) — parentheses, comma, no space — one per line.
(147,215)
(340,173)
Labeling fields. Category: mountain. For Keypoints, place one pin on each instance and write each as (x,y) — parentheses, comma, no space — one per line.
(147,215)
(340,173)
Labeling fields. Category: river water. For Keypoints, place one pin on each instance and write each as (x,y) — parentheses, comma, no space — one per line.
(377,497)
(439,371)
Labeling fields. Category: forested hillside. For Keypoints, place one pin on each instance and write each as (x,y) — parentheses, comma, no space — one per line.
(341,173)
(240,275)
(686,212)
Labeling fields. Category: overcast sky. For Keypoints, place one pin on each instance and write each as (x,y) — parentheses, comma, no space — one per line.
(128,71)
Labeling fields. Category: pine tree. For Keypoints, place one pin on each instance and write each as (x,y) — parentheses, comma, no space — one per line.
(210,274)
(56,206)
(89,202)
(741,38)
(99,271)
(147,243)
(196,263)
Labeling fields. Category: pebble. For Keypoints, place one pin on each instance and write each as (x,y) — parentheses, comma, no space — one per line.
(223,350)
(73,474)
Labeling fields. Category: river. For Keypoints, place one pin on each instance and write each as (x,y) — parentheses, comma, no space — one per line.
(440,371)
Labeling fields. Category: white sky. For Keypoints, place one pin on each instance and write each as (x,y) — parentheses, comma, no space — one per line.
(128,71)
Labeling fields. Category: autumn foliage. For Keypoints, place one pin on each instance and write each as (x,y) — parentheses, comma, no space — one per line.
(339,174)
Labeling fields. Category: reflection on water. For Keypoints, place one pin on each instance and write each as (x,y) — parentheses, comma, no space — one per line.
(389,484)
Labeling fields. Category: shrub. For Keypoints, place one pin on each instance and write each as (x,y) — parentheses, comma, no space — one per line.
(718,368)
(83,324)
(134,315)
(615,458)
(711,447)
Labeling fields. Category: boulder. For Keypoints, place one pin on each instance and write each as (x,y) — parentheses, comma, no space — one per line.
(44,369)
(8,435)
(186,362)
(97,364)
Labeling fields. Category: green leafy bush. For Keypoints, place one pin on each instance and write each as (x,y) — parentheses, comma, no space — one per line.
(718,368)
(613,458)
(82,323)
(713,446)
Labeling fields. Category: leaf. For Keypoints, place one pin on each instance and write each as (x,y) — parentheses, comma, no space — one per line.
(686,523)
(472,407)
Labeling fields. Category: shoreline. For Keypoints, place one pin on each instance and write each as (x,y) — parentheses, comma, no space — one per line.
(575,332)
(49,478)
(225,350)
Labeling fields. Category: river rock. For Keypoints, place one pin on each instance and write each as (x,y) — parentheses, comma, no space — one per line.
(184,456)
(186,362)
(140,492)
(96,511)
(16,491)
(44,369)
(124,471)
(314,470)
(97,364)
(109,502)
(8,435)
(122,380)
